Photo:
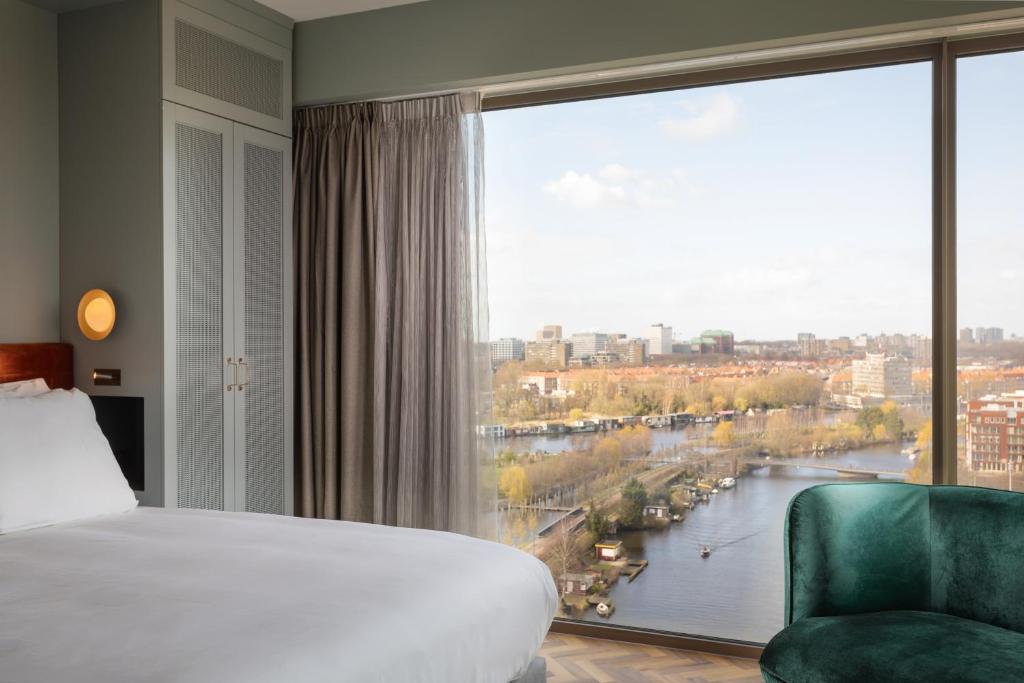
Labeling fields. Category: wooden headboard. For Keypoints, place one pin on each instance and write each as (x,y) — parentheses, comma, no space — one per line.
(52,362)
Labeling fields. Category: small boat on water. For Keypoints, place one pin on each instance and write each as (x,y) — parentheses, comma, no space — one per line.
(705,551)
(727,483)
(714,490)
(603,609)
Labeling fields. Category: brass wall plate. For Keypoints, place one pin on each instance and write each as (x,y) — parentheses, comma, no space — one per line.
(106,378)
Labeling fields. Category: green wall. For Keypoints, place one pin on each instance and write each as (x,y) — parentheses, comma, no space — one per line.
(443,44)
(29,216)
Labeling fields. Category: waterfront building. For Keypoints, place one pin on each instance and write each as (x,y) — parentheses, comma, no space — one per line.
(656,511)
(507,349)
(659,340)
(587,344)
(609,550)
(995,433)
(552,354)
(491,431)
(578,583)
(882,376)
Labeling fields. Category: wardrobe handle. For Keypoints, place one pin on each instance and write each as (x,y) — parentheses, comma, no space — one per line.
(248,376)
(234,372)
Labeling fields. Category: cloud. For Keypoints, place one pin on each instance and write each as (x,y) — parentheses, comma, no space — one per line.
(704,120)
(584,191)
(1008,274)
(615,184)
(771,279)
(617,173)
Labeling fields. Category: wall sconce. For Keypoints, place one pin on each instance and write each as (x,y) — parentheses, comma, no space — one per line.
(96,314)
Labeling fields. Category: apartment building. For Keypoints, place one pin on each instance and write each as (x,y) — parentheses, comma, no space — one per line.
(995,433)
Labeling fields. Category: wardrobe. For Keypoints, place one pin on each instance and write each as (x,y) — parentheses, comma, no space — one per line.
(176,119)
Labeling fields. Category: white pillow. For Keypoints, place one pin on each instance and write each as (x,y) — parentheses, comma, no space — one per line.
(26,387)
(55,463)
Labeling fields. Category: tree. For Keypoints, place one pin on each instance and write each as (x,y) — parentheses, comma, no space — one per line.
(515,485)
(576,414)
(631,508)
(609,450)
(879,432)
(723,434)
(563,554)
(881,423)
(921,472)
(597,523)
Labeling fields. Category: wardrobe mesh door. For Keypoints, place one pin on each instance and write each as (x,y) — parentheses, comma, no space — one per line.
(263,446)
(200,429)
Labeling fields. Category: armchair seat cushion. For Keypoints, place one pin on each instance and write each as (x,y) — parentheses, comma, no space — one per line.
(893,646)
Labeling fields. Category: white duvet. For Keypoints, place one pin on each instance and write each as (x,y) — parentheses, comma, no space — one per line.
(190,596)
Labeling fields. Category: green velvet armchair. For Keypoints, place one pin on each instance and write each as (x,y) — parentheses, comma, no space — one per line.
(899,582)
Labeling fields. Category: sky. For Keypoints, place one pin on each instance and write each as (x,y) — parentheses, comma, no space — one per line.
(768,208)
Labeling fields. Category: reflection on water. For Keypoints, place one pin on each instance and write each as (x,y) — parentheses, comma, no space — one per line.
(736,593)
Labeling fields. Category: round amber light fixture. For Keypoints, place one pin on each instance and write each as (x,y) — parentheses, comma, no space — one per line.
(96,314)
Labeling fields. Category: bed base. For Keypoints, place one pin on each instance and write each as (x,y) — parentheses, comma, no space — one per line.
(537,672)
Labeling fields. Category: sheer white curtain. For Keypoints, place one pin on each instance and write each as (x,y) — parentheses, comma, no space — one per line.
(393,364)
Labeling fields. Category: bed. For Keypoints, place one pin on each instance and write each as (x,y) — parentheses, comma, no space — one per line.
(148,594)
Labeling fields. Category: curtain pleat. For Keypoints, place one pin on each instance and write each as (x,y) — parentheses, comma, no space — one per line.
(392,371)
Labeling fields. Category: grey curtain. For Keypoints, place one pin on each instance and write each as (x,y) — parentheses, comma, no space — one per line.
(392,367)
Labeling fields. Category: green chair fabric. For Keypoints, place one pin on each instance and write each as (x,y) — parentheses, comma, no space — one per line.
(890,581)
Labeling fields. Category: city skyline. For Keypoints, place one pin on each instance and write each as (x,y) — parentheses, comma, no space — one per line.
(1008,335)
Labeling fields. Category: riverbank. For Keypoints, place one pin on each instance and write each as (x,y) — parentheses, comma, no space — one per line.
(737,592)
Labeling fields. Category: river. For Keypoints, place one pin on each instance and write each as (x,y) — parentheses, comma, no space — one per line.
(737,593)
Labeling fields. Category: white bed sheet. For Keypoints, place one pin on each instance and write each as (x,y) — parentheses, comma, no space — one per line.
(192,596)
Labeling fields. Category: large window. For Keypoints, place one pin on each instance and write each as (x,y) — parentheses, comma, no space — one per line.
(703,301)
(990,252)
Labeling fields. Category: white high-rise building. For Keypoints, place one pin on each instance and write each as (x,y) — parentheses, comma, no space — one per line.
(659,340)
(882,376)
(509,348)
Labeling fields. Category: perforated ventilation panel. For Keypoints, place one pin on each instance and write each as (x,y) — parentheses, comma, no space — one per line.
(214,66)
(199,317)
(264,330)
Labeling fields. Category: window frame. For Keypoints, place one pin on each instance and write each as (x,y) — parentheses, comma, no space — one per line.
(942,53)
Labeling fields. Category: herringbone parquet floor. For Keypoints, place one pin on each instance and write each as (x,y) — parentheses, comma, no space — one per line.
(572,659)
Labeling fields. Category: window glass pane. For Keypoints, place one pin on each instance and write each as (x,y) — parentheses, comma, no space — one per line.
(990,270)
(702,302)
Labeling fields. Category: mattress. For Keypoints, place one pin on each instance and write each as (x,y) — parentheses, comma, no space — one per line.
(190,596)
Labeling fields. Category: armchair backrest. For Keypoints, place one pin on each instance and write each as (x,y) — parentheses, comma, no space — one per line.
(857,548)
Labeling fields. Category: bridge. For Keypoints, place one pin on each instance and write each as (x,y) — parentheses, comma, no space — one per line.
(841,470)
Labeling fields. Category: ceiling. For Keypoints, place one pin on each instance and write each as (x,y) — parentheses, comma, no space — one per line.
(304,10)
(299,10)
